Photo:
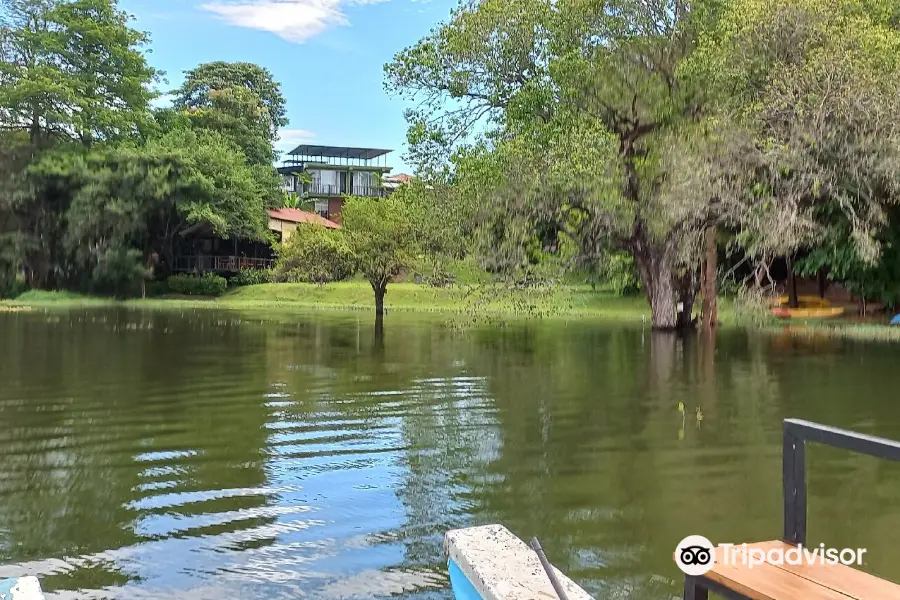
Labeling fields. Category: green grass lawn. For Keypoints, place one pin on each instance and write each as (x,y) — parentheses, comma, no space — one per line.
(573,300)
(469,301)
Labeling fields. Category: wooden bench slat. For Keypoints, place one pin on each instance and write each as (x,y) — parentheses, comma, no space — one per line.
(841,578)
(767,582)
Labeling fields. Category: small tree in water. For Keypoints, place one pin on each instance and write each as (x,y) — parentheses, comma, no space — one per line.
(380,234)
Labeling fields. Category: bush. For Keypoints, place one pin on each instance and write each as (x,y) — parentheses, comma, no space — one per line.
(314,254)
(254,277)
(207,284)
(617,272)
(12,286)
(156,287)
(119,271)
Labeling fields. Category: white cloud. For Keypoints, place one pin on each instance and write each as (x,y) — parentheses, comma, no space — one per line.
(288,139)
(293,20)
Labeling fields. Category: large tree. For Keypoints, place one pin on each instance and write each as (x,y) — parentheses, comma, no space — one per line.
(71,73)
(241,100)
(72,70)
(642,126)
(809,156)
(143,198)
(580,100)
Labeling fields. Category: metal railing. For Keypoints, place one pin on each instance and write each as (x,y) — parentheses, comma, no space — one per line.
(321,189)
(221,264)
(370,190)
(796,433)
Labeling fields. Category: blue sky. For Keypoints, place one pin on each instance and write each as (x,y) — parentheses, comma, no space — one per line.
(327,54)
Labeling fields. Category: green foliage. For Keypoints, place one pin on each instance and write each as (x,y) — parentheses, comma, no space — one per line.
(875,281)
(202,84)
(315,254)
(254,277)
(243,102)
(380,235)
(73,77)
(119,271)
(441,224)
(440,273)
(141,197)
(72,70)
(577,103)
(45,296)
(12,285)
(207,284)
(808,90)
(637,125)
(619,274)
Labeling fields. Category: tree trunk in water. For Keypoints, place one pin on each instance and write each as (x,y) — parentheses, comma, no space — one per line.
(662,304)
(656,267)
(380,291)
(709,315)
(793,301)
(823,282)
(686,304)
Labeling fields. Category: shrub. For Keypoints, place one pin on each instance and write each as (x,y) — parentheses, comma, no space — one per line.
(314,254)
(254,277)
(617,272)
(119,271)
(156,287)
(12,286)
(207,284)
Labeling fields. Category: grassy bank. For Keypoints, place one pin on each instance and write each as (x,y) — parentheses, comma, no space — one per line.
(571,300)
(848,330)
(467,301)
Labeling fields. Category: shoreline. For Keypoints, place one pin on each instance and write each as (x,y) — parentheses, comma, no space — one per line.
(472,302)
(563,301)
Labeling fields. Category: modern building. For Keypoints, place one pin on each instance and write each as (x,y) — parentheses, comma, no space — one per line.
(326,174)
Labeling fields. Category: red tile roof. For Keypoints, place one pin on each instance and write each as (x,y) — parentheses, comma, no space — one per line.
(295,215)
(399,177)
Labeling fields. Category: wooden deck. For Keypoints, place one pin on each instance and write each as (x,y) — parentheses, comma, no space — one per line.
(220,264)
(731,576)
(770,581)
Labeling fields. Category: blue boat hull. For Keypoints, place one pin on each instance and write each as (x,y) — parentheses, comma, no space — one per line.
(459,583)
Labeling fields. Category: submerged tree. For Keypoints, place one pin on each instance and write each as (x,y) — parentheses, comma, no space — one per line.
(380,235)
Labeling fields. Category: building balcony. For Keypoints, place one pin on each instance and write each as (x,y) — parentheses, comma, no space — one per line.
(331,191)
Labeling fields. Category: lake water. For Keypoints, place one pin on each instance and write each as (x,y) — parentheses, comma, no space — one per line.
(212,455)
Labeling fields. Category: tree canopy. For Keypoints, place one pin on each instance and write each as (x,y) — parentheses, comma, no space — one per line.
(72,70)
(380,235)
(97,185)
(636,127)
(239,99)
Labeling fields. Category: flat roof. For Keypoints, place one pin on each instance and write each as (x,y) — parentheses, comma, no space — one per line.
(339,151)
